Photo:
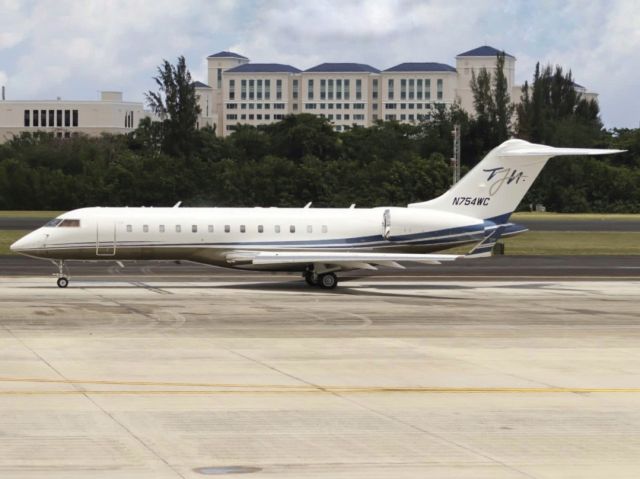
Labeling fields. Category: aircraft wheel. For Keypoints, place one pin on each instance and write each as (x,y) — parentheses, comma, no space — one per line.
(311,279)
(63,282)
(328,281)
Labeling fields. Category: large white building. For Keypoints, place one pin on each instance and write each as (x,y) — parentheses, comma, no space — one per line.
(347,94)
(64,118)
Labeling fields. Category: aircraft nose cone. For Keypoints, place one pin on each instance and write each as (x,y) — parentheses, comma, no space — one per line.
(27,243)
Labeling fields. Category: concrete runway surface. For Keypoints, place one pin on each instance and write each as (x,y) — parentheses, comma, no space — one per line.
(386,378)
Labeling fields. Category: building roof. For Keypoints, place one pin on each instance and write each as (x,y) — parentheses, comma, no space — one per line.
(226,55)
(199,84)
(483,51)
(343,67)
(263,68)
(421,67)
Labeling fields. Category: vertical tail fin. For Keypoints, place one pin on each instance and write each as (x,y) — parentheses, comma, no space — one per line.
(496,185)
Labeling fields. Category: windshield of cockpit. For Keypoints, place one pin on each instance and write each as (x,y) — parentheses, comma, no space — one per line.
(62,223)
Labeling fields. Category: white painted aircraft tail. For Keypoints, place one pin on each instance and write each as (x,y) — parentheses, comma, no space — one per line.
(495,186)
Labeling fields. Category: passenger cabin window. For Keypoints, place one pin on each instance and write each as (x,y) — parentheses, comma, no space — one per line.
(227,228)
(145,228)
(324,228)
(210,228)
(243,229)
(260,229)
(276,228)
(292,229)
(178,228)
(129,228)
(309,229)
(194,228)
(161,228)
(69,224)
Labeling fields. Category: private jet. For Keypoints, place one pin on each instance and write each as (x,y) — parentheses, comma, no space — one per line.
(317,242)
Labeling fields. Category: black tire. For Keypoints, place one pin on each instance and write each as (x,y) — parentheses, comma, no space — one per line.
(310,279)
(328,281)
(63,282)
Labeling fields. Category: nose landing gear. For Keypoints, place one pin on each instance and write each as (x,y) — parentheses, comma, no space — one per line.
(63,281)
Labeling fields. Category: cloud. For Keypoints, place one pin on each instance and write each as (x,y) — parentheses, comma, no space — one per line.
(75,48)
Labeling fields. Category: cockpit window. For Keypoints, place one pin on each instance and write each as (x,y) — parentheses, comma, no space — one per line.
(54,222)
(69,224)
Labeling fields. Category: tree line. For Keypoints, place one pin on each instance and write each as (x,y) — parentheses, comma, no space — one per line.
(302,159)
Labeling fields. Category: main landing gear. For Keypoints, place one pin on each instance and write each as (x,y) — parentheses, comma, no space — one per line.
(63,281)
(325,280)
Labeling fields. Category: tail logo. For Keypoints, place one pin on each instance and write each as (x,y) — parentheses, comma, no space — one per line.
(501,176)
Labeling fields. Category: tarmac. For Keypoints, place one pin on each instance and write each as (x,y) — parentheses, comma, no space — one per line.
(157,375)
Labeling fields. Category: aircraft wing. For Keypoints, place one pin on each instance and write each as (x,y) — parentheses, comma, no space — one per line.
(343,259)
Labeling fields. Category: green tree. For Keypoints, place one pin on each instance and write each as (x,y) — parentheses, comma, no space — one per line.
(176,105)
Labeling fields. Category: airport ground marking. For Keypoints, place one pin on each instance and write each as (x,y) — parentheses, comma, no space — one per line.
(227,388)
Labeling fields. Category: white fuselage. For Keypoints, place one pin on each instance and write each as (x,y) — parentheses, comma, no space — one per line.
(209,235)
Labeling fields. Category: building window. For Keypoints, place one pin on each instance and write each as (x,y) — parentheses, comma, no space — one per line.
(374,89)
(251,90)
(219,84)
(129,228)
(232,89)
(278,89)
(27,118)
(346,82)
(309,229)
(232,117)
(419,89)
(194,228)
(258,89)
(292,228)
(338,89)
(411,88)
(439,88)
(145,228)
(75,118)
(58,117)
(67,134)
(323,89)
(330,89)
(161,228)
(210,228)
(43,117)
(403,89)
(67,118)
(178,228)
(227,228)
(324,228)
(260,229)
(52,118)
(390,89)
(35,118)
(295,89)
(243,89)
(276,228)
(358,89)
(427,89)
(310,90)
(309,106)
(358,117)
(243,229)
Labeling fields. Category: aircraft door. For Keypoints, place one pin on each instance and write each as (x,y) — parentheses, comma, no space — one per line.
(386,224)
(105,238)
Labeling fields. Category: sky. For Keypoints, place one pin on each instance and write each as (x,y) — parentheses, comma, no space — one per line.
(74,49)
